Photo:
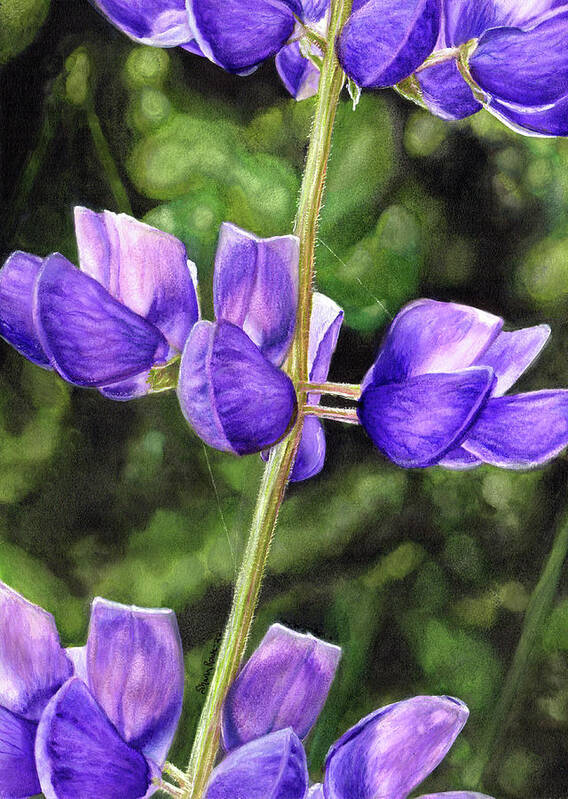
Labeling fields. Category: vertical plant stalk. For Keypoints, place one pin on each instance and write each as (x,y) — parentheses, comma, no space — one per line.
(537,613)
(107,161)
(279,466)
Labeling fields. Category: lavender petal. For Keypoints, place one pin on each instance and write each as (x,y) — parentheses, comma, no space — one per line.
(18,775)
(161,23)
(284,684)
(511,354)
(17,282)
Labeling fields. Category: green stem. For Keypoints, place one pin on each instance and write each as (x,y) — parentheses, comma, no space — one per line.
(345,415)
(279,466)
(536,615)
(107,161)
(350,391)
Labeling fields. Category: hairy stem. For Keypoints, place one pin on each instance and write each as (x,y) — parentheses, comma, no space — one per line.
(536,615)
(279,466)
(345,415)
(350,391)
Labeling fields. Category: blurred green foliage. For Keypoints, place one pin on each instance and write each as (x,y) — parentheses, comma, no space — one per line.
(422,577)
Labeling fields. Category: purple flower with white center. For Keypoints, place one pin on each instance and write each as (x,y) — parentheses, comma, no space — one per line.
(385,41)
(230,388)
(160,23)
(436,393)
(129,308)
(284,684)
(91,721)
(325,324)
(275,701)
(517,59)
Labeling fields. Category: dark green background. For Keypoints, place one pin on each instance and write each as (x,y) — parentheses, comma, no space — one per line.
(421,576)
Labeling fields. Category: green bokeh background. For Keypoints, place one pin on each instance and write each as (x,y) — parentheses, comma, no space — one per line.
(422,576)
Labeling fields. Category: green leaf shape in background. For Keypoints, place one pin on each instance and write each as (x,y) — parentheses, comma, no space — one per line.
(20,21)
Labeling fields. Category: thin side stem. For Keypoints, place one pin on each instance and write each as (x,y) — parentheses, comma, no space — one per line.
(345,415)
(279,466)
(348,390)
(107,161)
(536,615)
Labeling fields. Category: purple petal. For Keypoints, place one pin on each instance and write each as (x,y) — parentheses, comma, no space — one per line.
(527,68)
(193,47)
(384,41)
(284,684)
(314,10)
(231,395)
(80,755)
(17,282)
(135,668)
(310,457)
(417,422)
(316,792)
(455,795)
(511,354)
(445,92)
(521,431)
(256,287)
(429,336)
(131,388)
(390,752)
(142,267)
(18,776)
(91,338)
(240,34)
(459,460)
(298,74)
(272,767)
(162,23)
(32,663)
(465,20)
(550,122)
(326,320)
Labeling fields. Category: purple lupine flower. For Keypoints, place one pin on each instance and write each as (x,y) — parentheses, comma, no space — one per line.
(518,59)
(436,393)
(285,682)
(299,75)
(230,388)
(130,307)
(325,324)
(90,721)
(161,23)
(384,41)
(238,35)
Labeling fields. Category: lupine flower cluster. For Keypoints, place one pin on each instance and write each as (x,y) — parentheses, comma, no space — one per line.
(436,394)
(92,721)
(452,56)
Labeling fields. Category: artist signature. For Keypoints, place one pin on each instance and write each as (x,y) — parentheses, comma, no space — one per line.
(209,665)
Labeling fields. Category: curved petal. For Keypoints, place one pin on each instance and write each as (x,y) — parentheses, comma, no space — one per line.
(326,320)
(298,74)
(80,755)
(384,41)
(240,34)
(284,684)
(429,336)
(465,20)
(391,751)
(131,388)
(314,10)
(162,23)
(18,775)
(78,657)
(231,395)
(445,92)
(459,460)
(135,669)
(142,267)
(272,767)
(256,287)
(455,795)
(310,457)
(527,68)
(17,284)
(33,664)
(417,422)
(90,338)
(316,792)
(550,122)
(521,431)
(511,354)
